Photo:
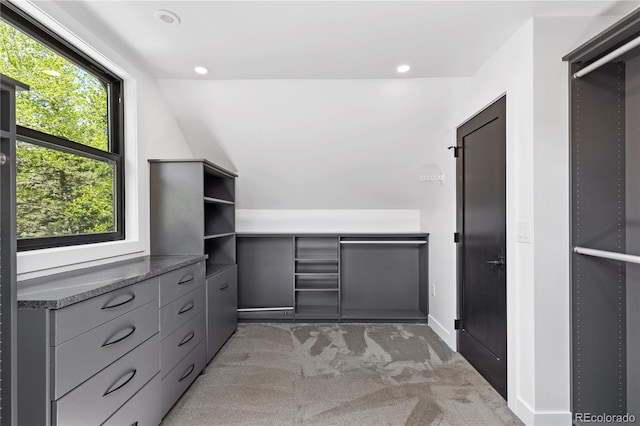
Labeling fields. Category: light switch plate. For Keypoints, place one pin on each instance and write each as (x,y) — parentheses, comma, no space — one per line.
(524,232)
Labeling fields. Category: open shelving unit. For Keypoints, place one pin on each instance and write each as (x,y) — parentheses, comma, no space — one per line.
(316,278)
(193,211)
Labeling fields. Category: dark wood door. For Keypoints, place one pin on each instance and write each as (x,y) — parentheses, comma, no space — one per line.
(481,176)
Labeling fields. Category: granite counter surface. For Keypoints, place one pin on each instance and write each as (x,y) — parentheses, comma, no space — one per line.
(59,290)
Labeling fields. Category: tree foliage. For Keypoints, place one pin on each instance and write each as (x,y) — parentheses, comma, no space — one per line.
(58,193)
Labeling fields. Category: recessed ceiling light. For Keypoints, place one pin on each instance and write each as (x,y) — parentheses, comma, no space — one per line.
(201,70)
(52,73)
(167,17)
(403,68)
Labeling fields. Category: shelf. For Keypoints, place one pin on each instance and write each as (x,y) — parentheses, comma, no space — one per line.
(226,234)
(218,187)
(316,274)
(383,314)
(315,260)
(216,268)
(316,312)
(316,248)
(211,200)
(317,289)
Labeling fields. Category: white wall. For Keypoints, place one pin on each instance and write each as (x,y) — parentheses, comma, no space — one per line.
(151,131)
(553,38)
(509,71)
(321,145)
(528,68)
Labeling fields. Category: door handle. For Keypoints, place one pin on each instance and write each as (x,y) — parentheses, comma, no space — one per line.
(500,262)
(3,159)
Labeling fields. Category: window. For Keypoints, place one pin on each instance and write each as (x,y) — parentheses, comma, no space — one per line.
(69,151)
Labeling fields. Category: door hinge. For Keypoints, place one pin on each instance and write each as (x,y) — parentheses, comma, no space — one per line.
(456,237)
(457,324)
(455,150)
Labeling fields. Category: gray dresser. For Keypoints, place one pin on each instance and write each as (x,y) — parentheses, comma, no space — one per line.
(114,344)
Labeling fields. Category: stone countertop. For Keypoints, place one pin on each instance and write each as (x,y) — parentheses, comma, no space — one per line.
(59,290)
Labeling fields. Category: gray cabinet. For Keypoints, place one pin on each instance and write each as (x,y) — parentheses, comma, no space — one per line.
(82,363)
(384,278)
(193,212)
(265,277)
(222,315)
(605,218)
(320,277)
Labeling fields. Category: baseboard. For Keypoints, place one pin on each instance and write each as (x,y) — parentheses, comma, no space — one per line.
(541,418)
(441,331)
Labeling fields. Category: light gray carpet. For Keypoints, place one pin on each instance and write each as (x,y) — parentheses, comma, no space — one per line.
(346,374)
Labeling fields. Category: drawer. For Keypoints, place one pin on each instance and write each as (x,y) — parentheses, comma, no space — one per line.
(99,397)
(143,409)
(222,309)
(178,380)
(179,343)
(77,359)
(73,320)
(176,283)
(178,312)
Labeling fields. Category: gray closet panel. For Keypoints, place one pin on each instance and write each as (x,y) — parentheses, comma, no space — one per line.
(632,150)
(176,199)
(598,206)
(265,272)
(222,314)
(380,277)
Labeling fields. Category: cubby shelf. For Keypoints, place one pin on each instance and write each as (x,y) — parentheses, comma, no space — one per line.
(212,200)
(214,268)
(317,289)
(226,234)
(316,274)
(315,260)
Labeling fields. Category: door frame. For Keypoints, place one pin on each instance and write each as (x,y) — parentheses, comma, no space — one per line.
(459,233)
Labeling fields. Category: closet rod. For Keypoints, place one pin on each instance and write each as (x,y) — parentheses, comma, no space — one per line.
(607,254)
(383,242)
(608,57)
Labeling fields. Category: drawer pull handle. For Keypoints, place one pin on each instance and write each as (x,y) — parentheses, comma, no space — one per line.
(187,373)
(224,287)
(109,304)
(110,342)
(186,308)
(187,338)
(186,279)
(127,378)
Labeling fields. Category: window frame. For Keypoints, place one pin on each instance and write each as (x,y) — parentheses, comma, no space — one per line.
(115,155)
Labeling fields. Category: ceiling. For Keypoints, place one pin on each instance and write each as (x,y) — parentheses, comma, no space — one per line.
(325,39)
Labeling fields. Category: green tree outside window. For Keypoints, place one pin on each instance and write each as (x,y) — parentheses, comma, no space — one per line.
(58,193)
